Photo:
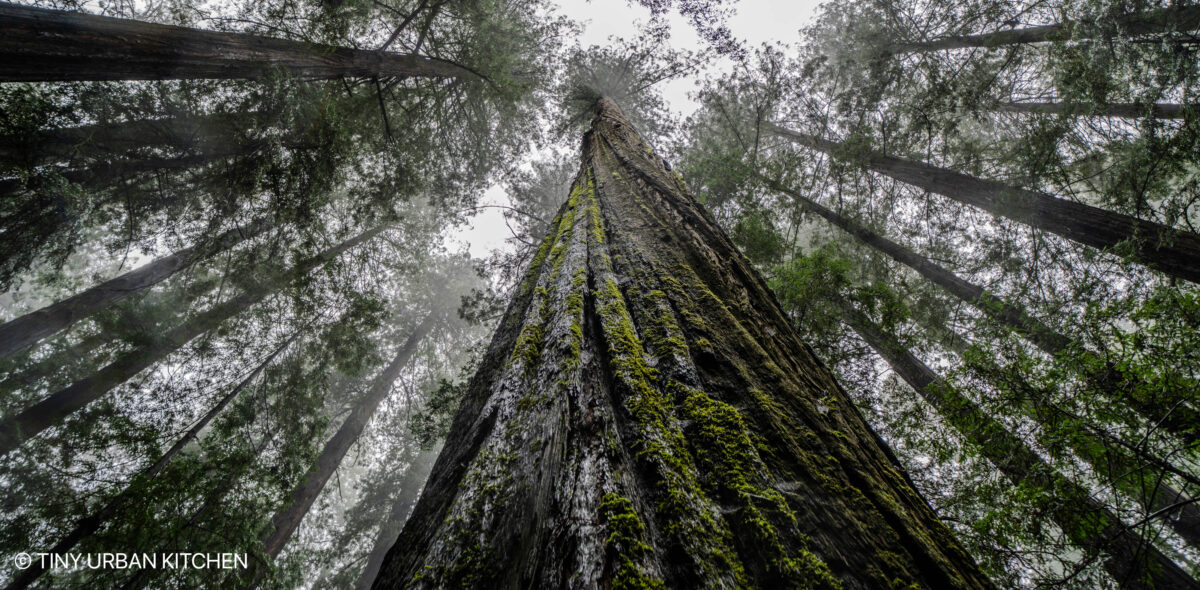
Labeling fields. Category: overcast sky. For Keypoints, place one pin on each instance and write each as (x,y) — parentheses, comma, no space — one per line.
(756,22)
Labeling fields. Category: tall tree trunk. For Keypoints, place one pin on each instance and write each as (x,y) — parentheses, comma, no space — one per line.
(206,133)
(1131,560)
(107,173)
(1129,468)
(40,45)
(1128,110)
(31,328)
(1172,251)
(408,490)
(287,520)
(60,364)
(94,521)
(28,423)
(646,417)
(1166,20)
(1179,420)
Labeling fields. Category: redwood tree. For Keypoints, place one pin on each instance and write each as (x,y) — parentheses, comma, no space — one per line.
(646,417)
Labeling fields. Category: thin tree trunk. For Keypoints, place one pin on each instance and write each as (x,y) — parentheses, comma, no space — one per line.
(31,328)
(40,45)
(57,364)
(646,417)
(94,521)
(1131,560)
(28,423)
(1168,250)
(287,519)
(409,488)
(1166,20)
(1128,110)
(1133,471)
(1177,419)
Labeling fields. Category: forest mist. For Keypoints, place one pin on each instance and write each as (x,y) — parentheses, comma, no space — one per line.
(907,300)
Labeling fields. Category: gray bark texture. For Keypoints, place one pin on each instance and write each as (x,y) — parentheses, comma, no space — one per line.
(41,45)
(646,417)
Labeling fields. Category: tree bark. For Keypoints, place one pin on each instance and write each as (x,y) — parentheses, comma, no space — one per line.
(1130,469)
(94,521)
(31,328)
(1166,20)
(287,520)
(408,489)
(29,422)
(1131,560)
(40,45)
(1128,110)
(107,173)
(1166,249)
(1178,419)
(205,133)
(646,417)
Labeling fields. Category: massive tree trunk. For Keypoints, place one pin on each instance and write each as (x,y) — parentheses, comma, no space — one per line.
(408,490)
(29,422)
(1172,251)
(646,417)
(40,45)
(31,328)
(1131,560)
(1178,419)
(287,520)
(94,521)
(1166,20)
(1128,110)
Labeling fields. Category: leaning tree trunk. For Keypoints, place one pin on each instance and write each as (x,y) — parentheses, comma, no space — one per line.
(287,520)
(1166,20)
(1128,110)
(1130,559)
(204,133)
(102,174)
(40,45)
(408,490)
(33,420)
(646,417)
(1178,419)
(31,328)
(1129,468)
(1166,249)
(97,519)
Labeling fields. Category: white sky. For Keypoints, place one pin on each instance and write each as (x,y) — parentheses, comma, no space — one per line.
(756,22)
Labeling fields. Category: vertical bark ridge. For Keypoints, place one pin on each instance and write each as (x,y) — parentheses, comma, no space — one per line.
(646,418)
